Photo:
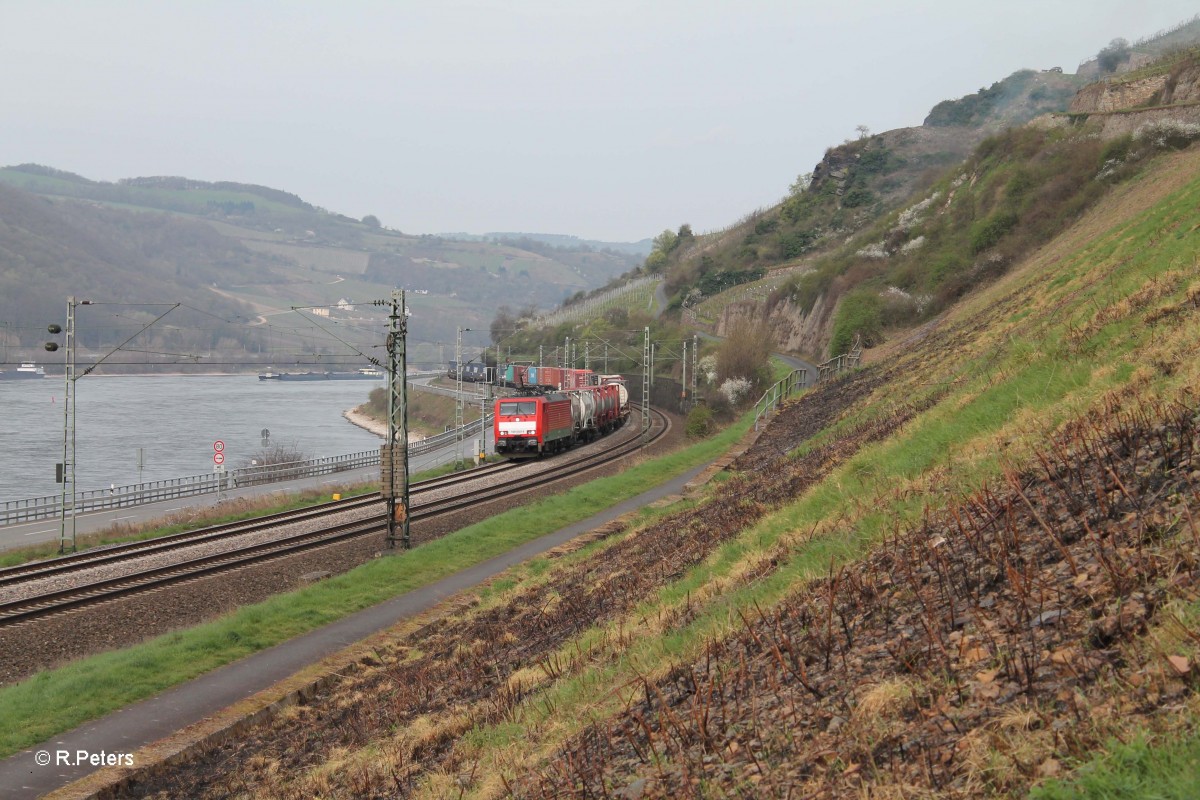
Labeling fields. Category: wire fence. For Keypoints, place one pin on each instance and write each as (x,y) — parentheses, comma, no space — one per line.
(598,304)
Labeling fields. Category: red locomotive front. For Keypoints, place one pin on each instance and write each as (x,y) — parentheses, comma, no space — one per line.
(533,425)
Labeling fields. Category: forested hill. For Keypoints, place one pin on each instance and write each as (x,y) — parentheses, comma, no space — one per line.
(238,251)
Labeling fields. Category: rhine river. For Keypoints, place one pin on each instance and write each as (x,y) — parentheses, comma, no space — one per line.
(174,420)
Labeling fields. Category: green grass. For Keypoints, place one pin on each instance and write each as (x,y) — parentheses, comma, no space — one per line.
(1136,771)
(58,700)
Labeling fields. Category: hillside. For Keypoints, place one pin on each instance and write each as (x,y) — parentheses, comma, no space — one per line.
(882,234)
(860,180)
(243,256)
(968,570)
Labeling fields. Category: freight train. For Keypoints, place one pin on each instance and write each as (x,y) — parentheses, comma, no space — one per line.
(540,423)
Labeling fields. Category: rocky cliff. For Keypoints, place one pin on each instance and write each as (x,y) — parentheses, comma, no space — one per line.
(1179,85)
(791,329)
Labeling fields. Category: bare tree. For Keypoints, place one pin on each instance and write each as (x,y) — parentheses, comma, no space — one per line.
(745,353)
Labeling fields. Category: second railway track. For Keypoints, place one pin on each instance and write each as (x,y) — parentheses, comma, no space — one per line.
(45,602)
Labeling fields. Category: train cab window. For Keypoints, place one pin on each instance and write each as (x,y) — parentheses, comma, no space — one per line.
(523,408)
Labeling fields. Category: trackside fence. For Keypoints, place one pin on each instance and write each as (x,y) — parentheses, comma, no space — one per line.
(35,508)
(773,398)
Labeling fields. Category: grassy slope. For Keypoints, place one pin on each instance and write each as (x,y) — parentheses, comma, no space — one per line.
(1041,347)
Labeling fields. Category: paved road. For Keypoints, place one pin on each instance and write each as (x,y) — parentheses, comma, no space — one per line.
(150,720)
(799,363)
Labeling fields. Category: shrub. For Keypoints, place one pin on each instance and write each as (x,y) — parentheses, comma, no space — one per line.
(1113,56)
(874,160)
(898,307)
(1168,133)
(745,353)
(987,232)
(700,423)
(857,197)
(765,226)
(716,282)
(860,312)
(1117,149)
(735,390)
(794,243)
(945,266)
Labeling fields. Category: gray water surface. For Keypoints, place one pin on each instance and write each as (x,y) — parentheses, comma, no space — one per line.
(174,419)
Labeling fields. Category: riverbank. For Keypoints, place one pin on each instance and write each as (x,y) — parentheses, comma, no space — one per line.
(356,417)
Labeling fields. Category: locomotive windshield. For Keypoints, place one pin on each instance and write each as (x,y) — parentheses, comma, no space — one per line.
(520,408)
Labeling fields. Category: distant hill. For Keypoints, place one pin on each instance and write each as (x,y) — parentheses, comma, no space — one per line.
(245,252)
(558,240)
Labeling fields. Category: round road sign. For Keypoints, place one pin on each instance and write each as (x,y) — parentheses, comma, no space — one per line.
(219,446)
(218,458)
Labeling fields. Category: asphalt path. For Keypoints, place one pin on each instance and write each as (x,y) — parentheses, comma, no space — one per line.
(129,729)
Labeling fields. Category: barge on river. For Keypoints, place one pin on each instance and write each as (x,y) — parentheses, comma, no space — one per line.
(364,374)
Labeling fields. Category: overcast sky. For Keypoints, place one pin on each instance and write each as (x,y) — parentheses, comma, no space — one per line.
(610,120)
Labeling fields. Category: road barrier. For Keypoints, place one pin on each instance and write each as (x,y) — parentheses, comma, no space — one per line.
(35,508)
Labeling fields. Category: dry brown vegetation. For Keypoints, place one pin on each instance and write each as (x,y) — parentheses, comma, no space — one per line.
(968,656)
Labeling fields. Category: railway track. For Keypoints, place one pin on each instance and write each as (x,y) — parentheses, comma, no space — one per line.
(121,552)
(56,601)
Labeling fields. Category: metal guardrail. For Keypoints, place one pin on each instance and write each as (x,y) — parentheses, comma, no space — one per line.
(35,508)
(839,364)
(773,398)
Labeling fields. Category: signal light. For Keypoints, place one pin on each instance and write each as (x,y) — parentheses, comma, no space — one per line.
(55,328)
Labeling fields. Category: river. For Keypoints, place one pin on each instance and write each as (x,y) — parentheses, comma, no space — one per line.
(174,420)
